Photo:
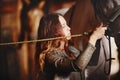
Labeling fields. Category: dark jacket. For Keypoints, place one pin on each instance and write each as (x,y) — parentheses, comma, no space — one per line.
(58,65)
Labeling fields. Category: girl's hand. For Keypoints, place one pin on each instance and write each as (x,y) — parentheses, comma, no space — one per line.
(98,33)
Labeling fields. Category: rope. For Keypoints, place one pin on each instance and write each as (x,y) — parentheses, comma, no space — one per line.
(40,40)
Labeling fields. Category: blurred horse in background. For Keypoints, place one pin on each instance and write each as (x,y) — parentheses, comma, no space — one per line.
(30,16)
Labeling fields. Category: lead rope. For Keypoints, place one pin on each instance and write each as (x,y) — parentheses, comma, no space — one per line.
(46,39)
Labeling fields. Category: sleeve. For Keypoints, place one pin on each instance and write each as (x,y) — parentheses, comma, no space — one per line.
(61,64)
(66,65)
(84,58)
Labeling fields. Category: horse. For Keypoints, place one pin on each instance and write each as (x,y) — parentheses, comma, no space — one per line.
(30,16)
(84,16)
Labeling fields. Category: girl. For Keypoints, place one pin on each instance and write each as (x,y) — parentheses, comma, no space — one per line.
(53,58)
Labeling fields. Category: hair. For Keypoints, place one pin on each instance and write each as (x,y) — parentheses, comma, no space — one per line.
(49,27)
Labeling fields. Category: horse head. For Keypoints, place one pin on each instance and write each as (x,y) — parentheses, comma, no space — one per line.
(108,12)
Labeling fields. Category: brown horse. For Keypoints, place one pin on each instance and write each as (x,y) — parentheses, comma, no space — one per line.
(82,17)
